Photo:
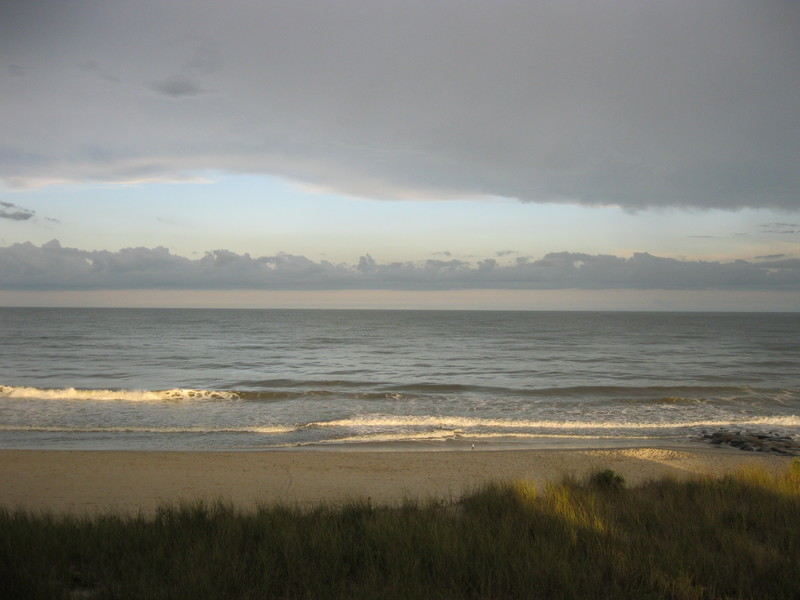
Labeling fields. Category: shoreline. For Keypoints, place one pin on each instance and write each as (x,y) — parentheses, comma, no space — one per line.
(129,482)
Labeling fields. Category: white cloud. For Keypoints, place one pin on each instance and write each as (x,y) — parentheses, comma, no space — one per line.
(53,267)
(627,103)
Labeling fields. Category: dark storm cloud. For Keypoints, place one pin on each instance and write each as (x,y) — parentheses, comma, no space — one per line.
(177,87)
(51,266)
(185,83)
(641,104)
(94,69)
(771,256)
(781,228)
(15,213)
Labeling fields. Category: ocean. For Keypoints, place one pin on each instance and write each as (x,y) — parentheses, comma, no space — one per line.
(431,380)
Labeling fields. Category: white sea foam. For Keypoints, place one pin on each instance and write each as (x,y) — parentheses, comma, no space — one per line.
(432,436)
(555,436)
(444,435)
(32,393)
(277,429)
(462,423)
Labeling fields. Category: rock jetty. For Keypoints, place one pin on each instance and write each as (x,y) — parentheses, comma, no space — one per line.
(755,441)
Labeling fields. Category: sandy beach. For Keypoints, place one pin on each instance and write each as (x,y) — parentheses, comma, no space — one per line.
(122,481)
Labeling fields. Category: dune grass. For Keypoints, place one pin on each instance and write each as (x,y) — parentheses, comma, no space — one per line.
(735,536)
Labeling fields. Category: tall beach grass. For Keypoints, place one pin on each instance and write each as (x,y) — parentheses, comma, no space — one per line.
(735,536)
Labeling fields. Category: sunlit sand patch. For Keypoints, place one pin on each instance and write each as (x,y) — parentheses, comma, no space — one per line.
(651,454)
(641,464)
(655,454)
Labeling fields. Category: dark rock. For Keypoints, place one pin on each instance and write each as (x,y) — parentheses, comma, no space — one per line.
(755,441)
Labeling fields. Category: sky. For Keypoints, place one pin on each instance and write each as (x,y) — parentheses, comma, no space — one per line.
(595,154)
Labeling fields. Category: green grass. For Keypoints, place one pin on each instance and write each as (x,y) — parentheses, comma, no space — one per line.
(732,537)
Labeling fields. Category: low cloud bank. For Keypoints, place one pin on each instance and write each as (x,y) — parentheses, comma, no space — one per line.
(54,267)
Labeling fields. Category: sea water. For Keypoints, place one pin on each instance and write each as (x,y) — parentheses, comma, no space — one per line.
(253,379)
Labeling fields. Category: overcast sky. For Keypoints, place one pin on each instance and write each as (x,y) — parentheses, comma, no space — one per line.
(651,149)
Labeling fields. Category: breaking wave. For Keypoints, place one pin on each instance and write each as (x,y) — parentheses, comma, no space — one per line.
(290,389)
(130,429)
(465,423)
(32,393)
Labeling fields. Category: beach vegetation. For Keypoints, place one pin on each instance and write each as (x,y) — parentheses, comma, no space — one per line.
(735,537)
(607,480)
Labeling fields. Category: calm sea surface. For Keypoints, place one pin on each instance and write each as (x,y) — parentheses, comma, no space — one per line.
(248,379)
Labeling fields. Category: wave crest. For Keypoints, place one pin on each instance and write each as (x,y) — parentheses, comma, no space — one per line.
(465,423)
(177,394)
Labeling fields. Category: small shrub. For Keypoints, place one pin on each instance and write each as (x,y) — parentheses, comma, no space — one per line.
(607,480)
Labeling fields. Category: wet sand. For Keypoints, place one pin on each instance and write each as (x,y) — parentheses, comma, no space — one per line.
(79,481)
